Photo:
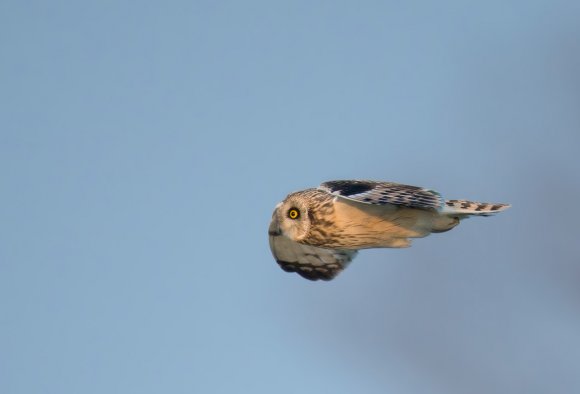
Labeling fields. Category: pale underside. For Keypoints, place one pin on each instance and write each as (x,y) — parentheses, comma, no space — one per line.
(361,226)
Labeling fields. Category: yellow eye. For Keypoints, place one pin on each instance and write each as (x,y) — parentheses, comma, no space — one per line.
(293,213)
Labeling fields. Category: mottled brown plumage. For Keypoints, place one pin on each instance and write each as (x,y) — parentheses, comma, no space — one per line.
(316,232)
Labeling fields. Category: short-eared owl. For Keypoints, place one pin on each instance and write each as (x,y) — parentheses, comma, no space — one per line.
(317,232)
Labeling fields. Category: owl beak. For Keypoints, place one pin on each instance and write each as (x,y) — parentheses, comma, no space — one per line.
(274,229)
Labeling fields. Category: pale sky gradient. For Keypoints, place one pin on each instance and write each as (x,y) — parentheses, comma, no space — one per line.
(144,145)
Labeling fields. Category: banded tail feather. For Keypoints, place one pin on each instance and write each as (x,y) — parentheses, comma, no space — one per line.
(464,207)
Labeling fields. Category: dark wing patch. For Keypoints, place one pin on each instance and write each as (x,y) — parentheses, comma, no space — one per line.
(380,193)
(310,262)
(349,188)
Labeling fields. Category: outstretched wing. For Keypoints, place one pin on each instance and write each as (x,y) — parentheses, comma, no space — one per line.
(308,261)
(380,193)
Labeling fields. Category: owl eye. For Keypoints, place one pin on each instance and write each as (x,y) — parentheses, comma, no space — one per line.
(293,213)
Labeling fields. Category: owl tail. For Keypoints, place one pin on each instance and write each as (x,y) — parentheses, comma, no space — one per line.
(463,207)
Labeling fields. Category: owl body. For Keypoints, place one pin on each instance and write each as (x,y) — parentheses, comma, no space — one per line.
(316,232)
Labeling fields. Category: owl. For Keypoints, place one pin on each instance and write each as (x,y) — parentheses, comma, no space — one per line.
(317,232)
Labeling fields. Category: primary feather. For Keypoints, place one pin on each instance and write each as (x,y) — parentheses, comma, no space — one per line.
(380,193)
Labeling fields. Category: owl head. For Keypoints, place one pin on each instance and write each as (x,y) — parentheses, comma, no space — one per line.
(291,217)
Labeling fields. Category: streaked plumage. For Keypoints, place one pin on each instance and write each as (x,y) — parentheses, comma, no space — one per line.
(317,232)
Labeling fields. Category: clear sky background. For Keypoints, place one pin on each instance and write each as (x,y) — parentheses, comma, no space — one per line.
(144,145)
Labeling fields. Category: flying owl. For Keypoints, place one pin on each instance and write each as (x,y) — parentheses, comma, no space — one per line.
(317,232)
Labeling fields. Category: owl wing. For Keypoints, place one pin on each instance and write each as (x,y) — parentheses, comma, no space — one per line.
(380,193)
(308,261)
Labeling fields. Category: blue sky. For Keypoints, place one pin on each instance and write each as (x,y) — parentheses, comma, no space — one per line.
(144,145)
